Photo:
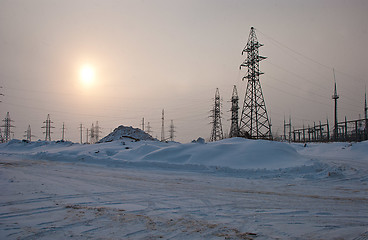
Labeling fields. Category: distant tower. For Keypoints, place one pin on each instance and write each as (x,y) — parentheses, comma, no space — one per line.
(28,134)
(163,126)
(1,136)
(335,97)
(143,124)
(216,133)
(81,132)
(149,128)
(63,133)
(172,131)
(234,129)
(365,114)
(47,128)
(97,132)
(254,121)
(288,126)
(92,134)
(7,127)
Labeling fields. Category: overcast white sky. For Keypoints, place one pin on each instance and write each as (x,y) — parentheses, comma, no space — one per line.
(150,55)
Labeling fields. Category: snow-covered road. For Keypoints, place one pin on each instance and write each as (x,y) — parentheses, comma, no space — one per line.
(231,189)
(57,200)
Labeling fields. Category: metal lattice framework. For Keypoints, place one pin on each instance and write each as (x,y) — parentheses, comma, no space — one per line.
(234,129)
(216,133)
(7,127)
(28,134)
(254,122)
(48,127)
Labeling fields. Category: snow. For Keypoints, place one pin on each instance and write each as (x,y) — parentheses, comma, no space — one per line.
(123,132)
(234,188)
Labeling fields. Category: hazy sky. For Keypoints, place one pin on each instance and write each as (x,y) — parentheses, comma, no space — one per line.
(149,55)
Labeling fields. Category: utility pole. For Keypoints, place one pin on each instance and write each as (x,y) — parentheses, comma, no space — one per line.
(335,97)
(143,124)
(216,133)
(63,133)
(254,121)
(163,126)
(288,126)
(7,127)
(234,129)
(87,132)
(284,129)
(81,132)
(172,131)
(48,128)
(365,114)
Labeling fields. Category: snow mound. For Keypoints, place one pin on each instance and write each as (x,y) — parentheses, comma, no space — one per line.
(251,158)
(236,153)
(122,132)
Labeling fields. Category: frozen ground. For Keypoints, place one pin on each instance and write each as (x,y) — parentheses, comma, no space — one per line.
(231,189)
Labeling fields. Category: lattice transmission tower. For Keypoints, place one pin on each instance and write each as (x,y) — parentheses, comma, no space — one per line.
(254,122)
(28,134)
(7,127)
(48,127)
(234,129)
(172,131)
(148,127)
(216,133)
(95,133)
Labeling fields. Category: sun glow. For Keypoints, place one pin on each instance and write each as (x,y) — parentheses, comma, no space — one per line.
(87,75)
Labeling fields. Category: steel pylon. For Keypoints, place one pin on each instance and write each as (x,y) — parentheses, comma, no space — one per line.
(254,122)
(234,128)
(216,133)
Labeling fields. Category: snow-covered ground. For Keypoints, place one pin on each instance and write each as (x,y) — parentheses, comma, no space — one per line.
(230,189)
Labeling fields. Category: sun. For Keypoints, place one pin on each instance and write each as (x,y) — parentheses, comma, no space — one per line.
(87,75)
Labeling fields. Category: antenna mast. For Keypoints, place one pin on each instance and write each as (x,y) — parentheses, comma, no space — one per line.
(335,96)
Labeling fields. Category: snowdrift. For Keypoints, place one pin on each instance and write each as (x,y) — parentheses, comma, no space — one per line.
(235,153)
(229,155)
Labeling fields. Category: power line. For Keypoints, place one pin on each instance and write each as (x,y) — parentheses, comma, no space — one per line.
(308,58)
